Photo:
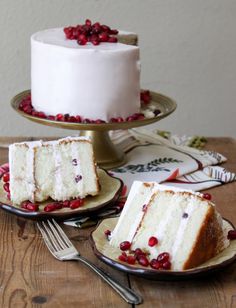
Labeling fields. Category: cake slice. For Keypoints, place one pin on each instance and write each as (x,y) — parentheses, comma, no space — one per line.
(158,219)
(63,169)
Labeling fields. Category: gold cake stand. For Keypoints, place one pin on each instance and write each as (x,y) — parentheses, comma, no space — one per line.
(106,154)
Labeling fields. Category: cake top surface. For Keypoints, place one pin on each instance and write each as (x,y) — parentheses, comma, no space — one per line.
(57,37)
(37,143)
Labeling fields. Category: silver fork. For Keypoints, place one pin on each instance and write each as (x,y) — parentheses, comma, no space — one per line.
(61,248)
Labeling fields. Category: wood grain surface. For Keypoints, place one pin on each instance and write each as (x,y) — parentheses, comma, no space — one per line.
(31,277)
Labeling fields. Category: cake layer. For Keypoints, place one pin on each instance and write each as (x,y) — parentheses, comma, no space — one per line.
(62,169)
(186,225)
(95,82)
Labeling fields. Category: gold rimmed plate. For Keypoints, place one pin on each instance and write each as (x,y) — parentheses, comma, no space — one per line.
(109,193)
(108,254)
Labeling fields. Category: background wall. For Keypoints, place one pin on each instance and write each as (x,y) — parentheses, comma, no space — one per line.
(188,52)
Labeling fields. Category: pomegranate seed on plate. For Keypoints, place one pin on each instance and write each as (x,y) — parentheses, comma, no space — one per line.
(152,241)
(125,245)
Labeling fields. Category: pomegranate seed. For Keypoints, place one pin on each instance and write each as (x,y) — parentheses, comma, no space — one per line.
(112,39)
(6,187)
(163,257)
(66,203)
(32,207)
(145,97)
(78,119)
(121,204)
(88,22)
(130,119)
(107,232)
(141,117)
(95,42)
(105,28)
(60,117)
(51,117)
(120,119)
(41,115)
(125,245)
(52,207)
(6,177)
(113,31)
(103,37)
(232,235)
(123,257)
(142,260)
(131,259)
(86,121)
(82,39)
(78,178)
(74,204)
(207,196)
(138,252)
(24,204)
(72,119)
(166,265)
(155,264)
(8,196)
(113,120)
(152,241)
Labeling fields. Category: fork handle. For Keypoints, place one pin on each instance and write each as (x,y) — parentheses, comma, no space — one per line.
(126,293)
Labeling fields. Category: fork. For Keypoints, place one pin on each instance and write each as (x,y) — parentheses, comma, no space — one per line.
(62,249)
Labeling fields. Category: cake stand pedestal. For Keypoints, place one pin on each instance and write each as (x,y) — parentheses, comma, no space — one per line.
(106,154)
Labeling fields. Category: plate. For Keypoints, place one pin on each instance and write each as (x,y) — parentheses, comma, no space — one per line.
(108,254)
(110,191)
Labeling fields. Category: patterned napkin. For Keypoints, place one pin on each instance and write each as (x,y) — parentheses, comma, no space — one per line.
(164,158)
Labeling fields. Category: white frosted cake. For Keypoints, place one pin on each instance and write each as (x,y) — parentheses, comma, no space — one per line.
(95,82)
(62,169)
(182,224)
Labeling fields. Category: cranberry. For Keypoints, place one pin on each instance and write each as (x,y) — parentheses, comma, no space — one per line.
(207,196)
(166,265)
(163,257)
(155,264)
(125,245)
(152,241)
(131,259)
(232,235)
(74,204)
(123,257)
(142,260)
(6,177)
(6,187)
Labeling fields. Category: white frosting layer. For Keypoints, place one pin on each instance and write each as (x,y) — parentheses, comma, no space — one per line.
(96,82)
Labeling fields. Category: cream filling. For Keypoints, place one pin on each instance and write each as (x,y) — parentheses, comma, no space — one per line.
(181,230)
(58,176)
(77,166)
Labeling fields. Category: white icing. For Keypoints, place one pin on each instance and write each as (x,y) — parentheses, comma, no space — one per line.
(96,82)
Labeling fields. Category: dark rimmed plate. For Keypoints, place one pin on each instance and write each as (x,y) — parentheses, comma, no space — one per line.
(108,254)
(110,191)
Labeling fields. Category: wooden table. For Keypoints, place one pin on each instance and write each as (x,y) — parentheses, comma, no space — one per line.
(31,277)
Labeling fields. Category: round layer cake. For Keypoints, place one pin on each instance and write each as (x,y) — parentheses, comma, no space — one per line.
(95,82)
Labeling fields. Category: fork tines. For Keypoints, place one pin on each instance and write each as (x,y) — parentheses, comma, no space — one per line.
(55,238)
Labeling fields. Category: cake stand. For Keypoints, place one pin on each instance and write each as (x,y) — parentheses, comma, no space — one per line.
(106,154)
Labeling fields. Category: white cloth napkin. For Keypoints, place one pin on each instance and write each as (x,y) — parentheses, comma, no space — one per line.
(151,157)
